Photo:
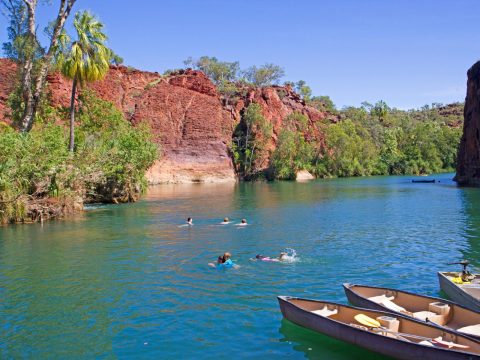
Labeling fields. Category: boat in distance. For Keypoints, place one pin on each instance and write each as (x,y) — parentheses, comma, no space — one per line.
(426,181)
(444,313)
(385,333)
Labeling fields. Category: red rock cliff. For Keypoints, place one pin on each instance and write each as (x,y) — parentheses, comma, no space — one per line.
(468,159)
(186,115)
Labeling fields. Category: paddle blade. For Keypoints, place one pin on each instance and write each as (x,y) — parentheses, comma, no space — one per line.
(367,321)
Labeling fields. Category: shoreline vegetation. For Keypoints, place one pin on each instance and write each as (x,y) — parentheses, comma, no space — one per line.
(53,160)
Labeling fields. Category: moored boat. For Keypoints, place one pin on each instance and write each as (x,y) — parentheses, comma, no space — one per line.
(434,310)
(466,293)
(424,181)
(396,336)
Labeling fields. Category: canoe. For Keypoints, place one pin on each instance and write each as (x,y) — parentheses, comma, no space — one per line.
(464,293)
(441,312)
(399,337)
(424,181)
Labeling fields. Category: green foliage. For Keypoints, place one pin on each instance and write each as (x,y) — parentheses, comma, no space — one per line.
(293,151)
(303,90)
(349,151)
(108,166)
(249,139)
(19,46)
(376,139)
(121,153)
(217,71)
(265,75)
(152,83)
(323,103)
(372,140)
(115,59)
(87,58)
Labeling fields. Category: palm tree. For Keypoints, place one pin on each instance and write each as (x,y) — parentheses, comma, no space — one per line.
(86,60)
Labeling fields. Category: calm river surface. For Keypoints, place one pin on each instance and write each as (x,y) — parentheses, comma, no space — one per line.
(126,281)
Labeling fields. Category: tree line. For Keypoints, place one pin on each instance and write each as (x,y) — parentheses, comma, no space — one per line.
(366,140)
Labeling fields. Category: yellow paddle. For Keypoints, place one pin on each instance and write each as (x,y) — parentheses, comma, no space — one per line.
(367,321)
(372,323)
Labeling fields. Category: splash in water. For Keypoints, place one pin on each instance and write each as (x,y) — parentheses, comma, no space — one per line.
(291,255)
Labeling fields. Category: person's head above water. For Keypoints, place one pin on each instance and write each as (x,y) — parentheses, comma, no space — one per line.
(226,220)
(220,259)
(244,221)
(283,255)
(226,256)
(189,220)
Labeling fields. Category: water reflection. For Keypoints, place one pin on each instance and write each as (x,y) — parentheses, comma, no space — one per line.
(471,223)
(318,346)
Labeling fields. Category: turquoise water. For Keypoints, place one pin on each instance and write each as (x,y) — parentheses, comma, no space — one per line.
(126,281)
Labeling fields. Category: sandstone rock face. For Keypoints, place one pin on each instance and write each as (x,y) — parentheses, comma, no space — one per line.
(190,121)
(185,114)
(468,159)
(7,83)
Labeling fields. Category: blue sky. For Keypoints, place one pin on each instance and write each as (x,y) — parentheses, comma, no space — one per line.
(408,53)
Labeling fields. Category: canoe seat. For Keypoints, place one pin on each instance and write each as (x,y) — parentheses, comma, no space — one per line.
(325,311)
(431,316)
(378,299)
(471,330)
(387,302)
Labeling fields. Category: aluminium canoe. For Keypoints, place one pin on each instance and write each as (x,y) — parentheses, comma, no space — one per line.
(441,312)
(338,321)
(466,294)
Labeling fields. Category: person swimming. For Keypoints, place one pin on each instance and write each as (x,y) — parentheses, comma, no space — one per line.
(243,223)
(224,262)
(282,257)
(225,221)
(189,221)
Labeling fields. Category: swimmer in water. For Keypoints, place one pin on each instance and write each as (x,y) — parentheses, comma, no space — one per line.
(225,221)
(189,221)
(243,223)
(282,257)
(224,262)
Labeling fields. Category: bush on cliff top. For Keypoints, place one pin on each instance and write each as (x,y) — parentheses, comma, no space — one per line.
(108,165)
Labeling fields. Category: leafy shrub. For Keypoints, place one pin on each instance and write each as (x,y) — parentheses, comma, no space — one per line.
(108,164)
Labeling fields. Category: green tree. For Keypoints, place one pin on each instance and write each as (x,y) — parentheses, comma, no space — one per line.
(293,151)
(303,90)
(218,71)
(87,59)
(265,75)
(16,13)
(250,138)
(380,110)
(34,68)
(323,103)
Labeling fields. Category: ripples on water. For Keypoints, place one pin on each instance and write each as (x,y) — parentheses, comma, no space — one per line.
(127,281)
